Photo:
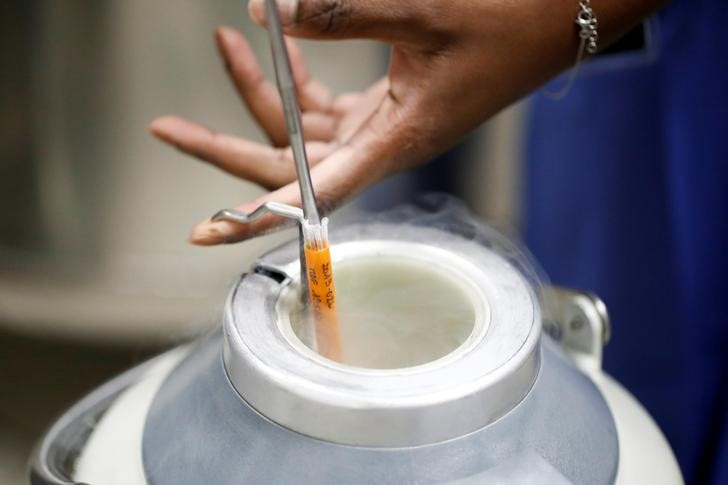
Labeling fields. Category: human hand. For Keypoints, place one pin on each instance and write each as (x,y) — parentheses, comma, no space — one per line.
(453,65)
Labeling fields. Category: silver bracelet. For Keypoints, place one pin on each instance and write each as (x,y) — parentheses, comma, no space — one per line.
(588,35)
(587,22)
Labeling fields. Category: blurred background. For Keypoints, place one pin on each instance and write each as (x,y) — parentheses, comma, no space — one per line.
(95,273)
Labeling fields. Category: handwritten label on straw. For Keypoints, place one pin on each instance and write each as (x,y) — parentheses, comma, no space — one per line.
(323,302)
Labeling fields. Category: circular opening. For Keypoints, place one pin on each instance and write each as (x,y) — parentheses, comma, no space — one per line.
(394,313)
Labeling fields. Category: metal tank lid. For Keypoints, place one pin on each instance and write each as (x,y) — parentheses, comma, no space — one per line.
(471,387)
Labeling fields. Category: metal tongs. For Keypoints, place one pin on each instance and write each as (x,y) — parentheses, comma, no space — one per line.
(309,216)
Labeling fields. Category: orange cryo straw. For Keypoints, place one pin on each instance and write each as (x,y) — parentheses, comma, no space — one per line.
(318,260)
(323,300)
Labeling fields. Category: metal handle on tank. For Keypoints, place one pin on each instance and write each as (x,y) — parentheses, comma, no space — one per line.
(579,321)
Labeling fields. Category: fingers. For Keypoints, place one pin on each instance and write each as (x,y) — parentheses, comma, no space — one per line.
(211,233)
(258,94)
(345,19)
(261,164)
(366,158)
(360,108)
(345,103)
(332,184)
(319,127)
(261,96)
(313,95)
(373,151)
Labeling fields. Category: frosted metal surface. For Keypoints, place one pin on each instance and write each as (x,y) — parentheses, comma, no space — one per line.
(563,426)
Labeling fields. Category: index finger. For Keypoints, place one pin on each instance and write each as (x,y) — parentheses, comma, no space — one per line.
(332,188)
(371,153)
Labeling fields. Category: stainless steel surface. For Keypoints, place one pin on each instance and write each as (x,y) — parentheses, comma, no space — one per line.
(561,432)
(292,111)
(276,208)
(579,321)
(457,394)
(303,272)
(283,210)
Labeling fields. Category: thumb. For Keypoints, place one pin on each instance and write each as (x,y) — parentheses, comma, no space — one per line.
(345,19)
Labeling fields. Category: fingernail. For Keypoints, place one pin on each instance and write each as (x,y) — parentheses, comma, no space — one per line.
(286,10)
(256,10)
(227,35)
(209,233)
(160,128)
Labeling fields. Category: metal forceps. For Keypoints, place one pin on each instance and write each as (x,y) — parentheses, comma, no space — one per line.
(309,216)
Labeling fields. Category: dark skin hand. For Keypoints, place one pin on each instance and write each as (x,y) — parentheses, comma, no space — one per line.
(454,64)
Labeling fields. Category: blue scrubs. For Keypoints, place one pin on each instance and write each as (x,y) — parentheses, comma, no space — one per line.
(627,195)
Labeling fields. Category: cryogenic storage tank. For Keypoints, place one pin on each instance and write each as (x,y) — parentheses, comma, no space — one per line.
(458,366)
